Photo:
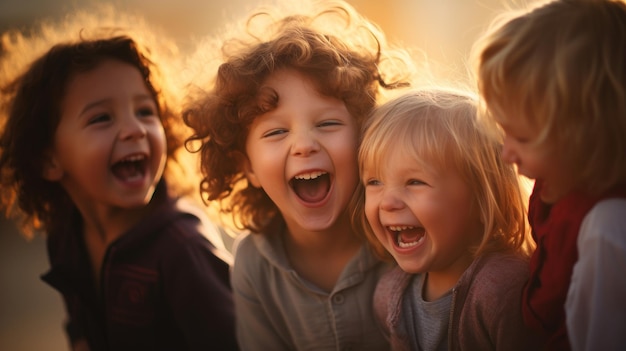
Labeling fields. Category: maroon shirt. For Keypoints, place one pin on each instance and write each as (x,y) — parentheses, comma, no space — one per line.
(164,286)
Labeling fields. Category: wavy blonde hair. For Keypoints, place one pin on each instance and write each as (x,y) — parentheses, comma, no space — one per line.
(561,66)
(440,128)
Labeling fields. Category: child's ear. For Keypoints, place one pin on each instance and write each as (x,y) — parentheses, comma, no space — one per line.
(247,167)
(52,170)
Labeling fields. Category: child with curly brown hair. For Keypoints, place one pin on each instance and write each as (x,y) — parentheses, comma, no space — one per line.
(278,132)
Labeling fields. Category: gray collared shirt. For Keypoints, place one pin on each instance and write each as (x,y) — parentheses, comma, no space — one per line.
(276,309)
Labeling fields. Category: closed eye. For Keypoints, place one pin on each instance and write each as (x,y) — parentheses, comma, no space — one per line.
(330,123)
(274,132)
(100,118)
(416,182)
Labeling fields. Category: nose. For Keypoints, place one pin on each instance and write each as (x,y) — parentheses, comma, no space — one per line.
(131,128)
(508,151)
(391,200)
(304,144)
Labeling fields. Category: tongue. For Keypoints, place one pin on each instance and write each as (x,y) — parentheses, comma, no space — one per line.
(409,236)
(127,170)
(312,190)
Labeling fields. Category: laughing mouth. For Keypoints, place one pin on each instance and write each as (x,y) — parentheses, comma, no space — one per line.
(311,187)
(407,236)
(130,168)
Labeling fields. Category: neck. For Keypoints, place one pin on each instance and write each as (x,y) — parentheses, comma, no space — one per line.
(108,224)
(320,257)
(337,238)
(438,283)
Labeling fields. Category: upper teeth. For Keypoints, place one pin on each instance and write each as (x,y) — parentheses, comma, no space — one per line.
(397,228)
(311,175)
(133,158)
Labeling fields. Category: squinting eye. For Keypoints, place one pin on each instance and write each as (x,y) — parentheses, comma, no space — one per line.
(147,112)
(99,119)
(416,182)
(329,123)
(274,132)
(372,182)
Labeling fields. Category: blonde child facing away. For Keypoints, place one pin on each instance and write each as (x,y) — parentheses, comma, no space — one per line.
(88,155)
(554,78)
(279,131)
(439,200)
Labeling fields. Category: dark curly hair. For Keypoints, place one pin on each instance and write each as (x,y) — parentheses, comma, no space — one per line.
(31,107)
(342,53)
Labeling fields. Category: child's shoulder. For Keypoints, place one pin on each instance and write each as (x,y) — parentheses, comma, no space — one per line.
(254,262)
(392,283)
(610,209)
(605,220)
(497,264)
(181,226)
(496,273)
(253,252)
(243,245)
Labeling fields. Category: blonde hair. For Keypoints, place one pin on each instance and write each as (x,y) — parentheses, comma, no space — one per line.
(561,66)
(440,129)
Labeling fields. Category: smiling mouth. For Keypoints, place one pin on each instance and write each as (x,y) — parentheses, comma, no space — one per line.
(407,236)
(130,168)
(311,187)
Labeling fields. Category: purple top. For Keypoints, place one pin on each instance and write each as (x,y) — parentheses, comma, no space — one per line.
(163,286)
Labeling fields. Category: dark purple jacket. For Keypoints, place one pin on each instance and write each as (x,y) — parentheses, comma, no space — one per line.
(164,286)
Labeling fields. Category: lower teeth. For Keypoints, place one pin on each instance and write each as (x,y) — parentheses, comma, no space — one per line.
(405,245)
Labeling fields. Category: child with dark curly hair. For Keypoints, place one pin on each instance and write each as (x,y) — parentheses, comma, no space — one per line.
(88,155)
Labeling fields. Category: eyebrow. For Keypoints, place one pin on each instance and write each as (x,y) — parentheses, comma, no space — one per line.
(138,97)
(91,105)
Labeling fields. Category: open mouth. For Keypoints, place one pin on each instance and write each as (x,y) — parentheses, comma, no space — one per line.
(130,168)
(407,236)
(311,187)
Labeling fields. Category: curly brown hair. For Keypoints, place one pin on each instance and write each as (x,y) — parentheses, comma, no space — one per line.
(341,52)
(31,109)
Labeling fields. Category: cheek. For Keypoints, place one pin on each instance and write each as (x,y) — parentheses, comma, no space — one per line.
(264,163)
(540,158)
(370,210)
(458,218)
(259,155)
(159,142)
(74,156)
(371,213)
(344,155)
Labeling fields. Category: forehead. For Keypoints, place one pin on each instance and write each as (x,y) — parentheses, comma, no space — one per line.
(108,78)
(399,158)
(108,72)
(297,91)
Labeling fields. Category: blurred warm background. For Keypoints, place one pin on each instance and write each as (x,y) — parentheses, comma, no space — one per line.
(31,313)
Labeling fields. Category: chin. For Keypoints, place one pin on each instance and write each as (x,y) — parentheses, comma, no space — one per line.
(409,267)
(550,195)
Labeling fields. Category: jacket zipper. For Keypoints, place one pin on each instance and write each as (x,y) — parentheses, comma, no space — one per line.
(450,327)
(103,298)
